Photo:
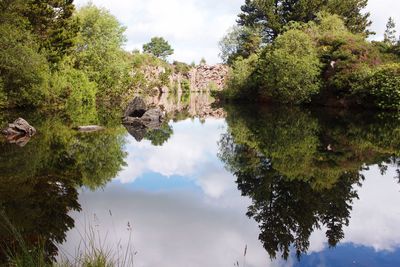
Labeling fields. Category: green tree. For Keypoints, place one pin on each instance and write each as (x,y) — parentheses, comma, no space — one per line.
(239,41)
(99,51)
(24,70)
(159,47)
(273,15)
(390,32)
(291,68)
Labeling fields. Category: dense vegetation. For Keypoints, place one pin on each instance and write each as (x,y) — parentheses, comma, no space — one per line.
(299,52)
(54,56)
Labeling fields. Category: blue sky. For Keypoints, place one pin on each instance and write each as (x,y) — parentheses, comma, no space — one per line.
(194,27)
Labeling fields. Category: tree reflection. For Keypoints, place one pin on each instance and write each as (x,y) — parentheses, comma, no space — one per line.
(39,183)
(299,168)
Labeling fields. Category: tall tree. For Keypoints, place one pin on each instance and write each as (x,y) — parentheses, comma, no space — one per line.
(273,15)
(52,22)
(159,47)
(390,32)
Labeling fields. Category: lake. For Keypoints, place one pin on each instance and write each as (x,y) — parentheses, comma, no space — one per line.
(213,186)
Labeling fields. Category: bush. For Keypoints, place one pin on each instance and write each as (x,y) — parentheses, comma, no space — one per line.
(291,68)
(23,70)
(3,96)
(242,78)
(385,86)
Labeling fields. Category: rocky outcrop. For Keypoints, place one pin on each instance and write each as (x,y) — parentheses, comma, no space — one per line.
(136,108)
(19,132)
(138,119)
(205,77)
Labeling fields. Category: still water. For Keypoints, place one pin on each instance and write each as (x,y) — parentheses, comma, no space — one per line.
(243,186)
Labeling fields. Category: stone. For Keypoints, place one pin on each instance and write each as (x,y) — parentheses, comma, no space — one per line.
(136,108)
(19,132)
(19,127)
(152,115)
(90,128)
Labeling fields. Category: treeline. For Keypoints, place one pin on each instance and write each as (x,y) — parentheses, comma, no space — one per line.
(52,54)
(299,52)
(56,56)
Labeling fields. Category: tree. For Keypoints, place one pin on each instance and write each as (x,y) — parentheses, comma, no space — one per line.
(99,51)
(239,41)
(273,15)
(159,47)
(390,32)
(291,68)
(52,22)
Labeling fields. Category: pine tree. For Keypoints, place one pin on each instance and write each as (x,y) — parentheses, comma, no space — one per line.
(390,32)
(272,15)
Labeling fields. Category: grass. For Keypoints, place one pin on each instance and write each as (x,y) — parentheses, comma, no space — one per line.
(93,251)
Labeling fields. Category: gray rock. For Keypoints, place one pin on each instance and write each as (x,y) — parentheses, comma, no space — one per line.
(90,128)
(136,108)
(152,115)
(19,127)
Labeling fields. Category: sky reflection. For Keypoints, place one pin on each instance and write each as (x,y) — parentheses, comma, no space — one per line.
(185,210)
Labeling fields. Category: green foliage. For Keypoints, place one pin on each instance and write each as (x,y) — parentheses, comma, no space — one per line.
(99,51)
(272,16)
(185,85)
(390,32)
(242,78)
(299,168)
(239,41)
(52,23)
(159,136)
(23,70)
(158,47)
(384,86)
(182,68)
(149,72)
(291,68)
(3,96)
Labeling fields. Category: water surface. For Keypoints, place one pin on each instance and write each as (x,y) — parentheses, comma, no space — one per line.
(249,186)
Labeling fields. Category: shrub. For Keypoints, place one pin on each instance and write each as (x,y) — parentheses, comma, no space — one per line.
(385,86)
(23,70)
(3,96)
(242,78)
(185,85)
(291,68)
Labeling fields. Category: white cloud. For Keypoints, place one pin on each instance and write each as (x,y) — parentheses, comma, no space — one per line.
(194,27)
(187,153)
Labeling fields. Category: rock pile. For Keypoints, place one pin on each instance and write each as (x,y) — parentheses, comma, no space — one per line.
(205,76)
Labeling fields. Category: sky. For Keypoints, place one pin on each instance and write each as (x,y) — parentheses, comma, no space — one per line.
(194,27)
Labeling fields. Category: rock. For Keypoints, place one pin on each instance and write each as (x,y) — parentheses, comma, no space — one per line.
(19,132)
(19,140)
(136,108)
(90,128)
(137,120)
(152,115)
(19,127)
(137,131)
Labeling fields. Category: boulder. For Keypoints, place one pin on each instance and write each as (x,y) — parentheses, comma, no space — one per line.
(19,132)
(19,127)
(152,115)
(136,108)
